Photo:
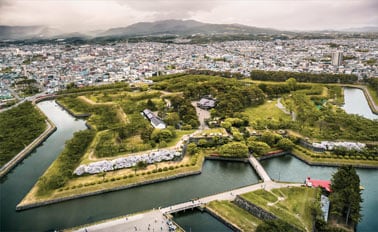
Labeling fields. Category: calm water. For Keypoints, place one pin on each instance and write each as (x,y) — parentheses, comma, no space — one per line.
(196,221)
(356,103)
(216,177)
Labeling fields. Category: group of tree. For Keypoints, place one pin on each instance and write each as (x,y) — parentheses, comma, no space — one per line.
(345,197)
(234,150)
(19,126)
(185,111)
(227,74)
(62,169)
(232,96)
(260,145)
(282,76)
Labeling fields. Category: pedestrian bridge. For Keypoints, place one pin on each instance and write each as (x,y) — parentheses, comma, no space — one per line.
(259,169)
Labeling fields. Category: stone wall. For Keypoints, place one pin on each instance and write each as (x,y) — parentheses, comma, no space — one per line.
(254,209)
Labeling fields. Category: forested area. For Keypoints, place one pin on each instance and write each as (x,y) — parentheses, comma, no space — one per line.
(303,77)
(18,128)
(346,197)
(232,95)
(62,169)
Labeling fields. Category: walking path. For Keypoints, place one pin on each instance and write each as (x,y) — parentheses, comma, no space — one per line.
(259,169)
(153,221)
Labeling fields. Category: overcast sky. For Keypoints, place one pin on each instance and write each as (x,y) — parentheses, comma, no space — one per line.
(84,15)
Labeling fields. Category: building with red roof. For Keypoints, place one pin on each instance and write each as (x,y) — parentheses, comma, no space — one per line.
(326,184)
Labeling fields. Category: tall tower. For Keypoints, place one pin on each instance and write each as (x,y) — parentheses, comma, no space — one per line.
(337,58)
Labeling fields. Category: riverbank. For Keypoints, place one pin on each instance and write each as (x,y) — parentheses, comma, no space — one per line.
(51,128)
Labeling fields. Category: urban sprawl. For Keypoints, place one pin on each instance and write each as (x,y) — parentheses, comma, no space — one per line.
(54,66)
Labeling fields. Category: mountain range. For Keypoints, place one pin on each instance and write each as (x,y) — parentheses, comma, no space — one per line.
(158,28)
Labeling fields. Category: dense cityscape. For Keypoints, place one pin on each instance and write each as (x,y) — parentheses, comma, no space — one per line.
(54,66)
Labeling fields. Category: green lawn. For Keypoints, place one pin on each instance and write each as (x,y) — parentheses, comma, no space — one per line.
(293,206)
(235,215)
(267,110)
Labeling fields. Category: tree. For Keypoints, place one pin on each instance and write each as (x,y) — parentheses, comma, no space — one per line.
(234,149)
(285,144)
(276,225)
(191,148)
(291,83)
(151,105)
(346,195)
(270,138)
(259,148)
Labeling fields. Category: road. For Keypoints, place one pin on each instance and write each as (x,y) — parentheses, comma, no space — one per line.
(202,115)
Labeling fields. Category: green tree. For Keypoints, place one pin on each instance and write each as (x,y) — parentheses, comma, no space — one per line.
(151,105)
(259,148)
(191,148)
(285,144)
(234,149)
(291,83)
(276,225)
(346,195)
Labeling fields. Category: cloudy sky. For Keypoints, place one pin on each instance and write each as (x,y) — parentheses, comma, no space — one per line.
(84,15)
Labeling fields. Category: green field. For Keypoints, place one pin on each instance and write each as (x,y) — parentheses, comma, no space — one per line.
(268,110)
(234,215)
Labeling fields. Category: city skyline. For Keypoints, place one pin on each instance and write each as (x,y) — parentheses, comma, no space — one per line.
(87,15)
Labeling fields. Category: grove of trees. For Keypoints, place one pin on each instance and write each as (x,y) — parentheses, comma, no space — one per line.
(18,128)
(303,77)
(346,197)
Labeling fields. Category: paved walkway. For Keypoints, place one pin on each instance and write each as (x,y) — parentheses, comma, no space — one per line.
(259,169)
(153,221)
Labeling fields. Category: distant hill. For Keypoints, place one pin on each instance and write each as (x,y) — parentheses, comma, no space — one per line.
(361,29)
(184,27)
(26,32)
(165,30)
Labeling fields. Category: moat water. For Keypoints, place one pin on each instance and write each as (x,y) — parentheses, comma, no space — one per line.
(216,177)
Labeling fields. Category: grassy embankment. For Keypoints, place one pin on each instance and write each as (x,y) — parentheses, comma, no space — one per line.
(292,205)
(234,215)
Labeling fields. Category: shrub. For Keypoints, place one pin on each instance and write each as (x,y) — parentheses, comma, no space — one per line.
(160,170)
(171,168)
(131,175)
(165,169)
